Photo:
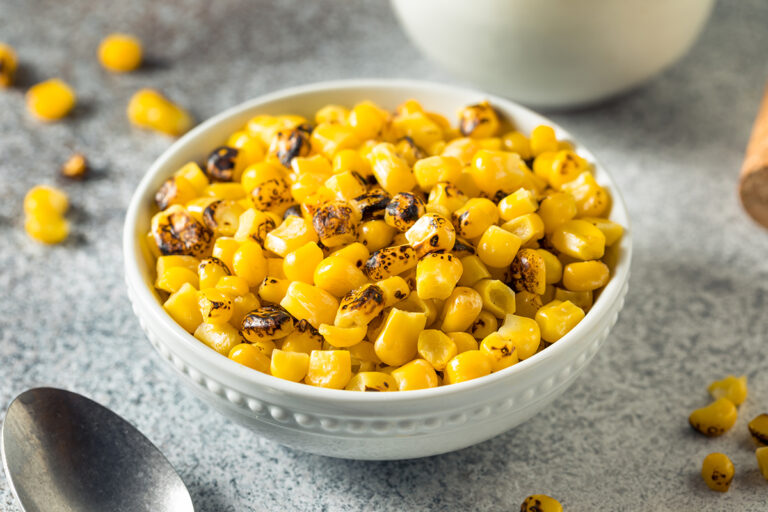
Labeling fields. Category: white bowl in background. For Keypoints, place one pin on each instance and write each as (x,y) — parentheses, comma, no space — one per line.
(554,53)
(351,424)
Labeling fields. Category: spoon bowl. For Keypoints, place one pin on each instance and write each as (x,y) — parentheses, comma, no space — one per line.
(64,452)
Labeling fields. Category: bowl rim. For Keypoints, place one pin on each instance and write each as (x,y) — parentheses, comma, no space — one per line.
(136,284)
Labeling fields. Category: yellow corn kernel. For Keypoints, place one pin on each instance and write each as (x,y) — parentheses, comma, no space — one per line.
(553,266)
(175,190)
(527,304)
(390,261)
(418,374)
(431,233)
(437,275)
(275,268)
(192,172)
(566,167)
(50,100)
(502,351)
(474,270)
(329,138)
(166,262)
(468,365)
(581,299)
(543,139)
(463,341)
(517,142)
(250,150)
(463,148)
(758,427)
(396,344)
(299,265)
(497,172)
(474,217)
(224,248)
(292,366)
(364,357)
(762,460)
(585,276)
(249,356)
(249,263)
(391,171)
(290,235)
(253,225)
(226,190)
(332,114)
(47,229)
(120,52)
(541,503)
(338,276)
(150,109)
(556,209)
(241,306)
(497,247)
(460,311)
(557,318)
(478,121)
(717,472)
(174,278)
(484,325)
(304,338)
(372,381)
(435,169)
(264,127)
(496,297)
(418,127)
(346,185)
(376,234)
(183,308)
(542,165)
(45,201)
(310,303)
(612,230)
(215,305)
(259,173)
(8,65)
(209,271)
(342,337)
(436,348)
(731,387)
(222,216)
(232,285)
(349,160)
(579,239)
(367,120)
(415,304)
(329,369)
(518,203)
(393,289)
(356,253)
(445,198)
(524,333)
(220,337)
(549,295)
(528,227)
(528,272)
(591,199)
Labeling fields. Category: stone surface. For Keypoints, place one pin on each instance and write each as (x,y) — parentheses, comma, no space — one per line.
(617,440)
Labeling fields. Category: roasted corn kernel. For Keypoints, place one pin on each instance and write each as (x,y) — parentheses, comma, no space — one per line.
(329,369)
(390,261)
(50,100)
(485,324)
(523,332)
(8,65)
(249,356)
(220,337)
(437,275)
(717,472)
(540,503)
(215,305)
(502,351)
(460,311)
(338,275)
(528,272)
(436,169)
(418,374)
(557,318)
(150,109)
(120,52)
(468,365)
(715,419)
(498,247)
(758,428)
(478,121)
(396,344)
(336,223)
(372,381)
(496,297)
(431,233)
(288,144)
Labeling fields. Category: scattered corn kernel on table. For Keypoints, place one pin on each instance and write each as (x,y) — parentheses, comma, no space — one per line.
(617,440)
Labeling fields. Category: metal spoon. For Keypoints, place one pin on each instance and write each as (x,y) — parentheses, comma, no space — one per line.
(64,453)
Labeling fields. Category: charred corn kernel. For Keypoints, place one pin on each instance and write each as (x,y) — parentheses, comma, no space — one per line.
(224,248)
(585,276)
(418,374)
(556,209)
(502,351)
(290,235)
(528,272)
(554,268)
(241,306)
(436,169)
(289,143)
(541,503)
(591,199)
(414,304)
(557,318)
(478,121)
(48,230)
(234,191)
(581,299)
(528,227)
(437,275)
(192,172)
(391,171)
(360,306)
(566,167)
(120,52)
(543,139)
(177,232)
(75,168)
(758,427)
(372,204)
(329,369)
(45,201)
(266,323)
(460,311)
(259,173)
(403,210)
(8,65)
(215,305)
(394,289)
(473,270)
(299,265)
(517,142)
(468,365)
(224,164)
(397,342)
(210,270)
(474,217)
(612,230)
(376,234)
(332,114)
(271,195)
(731,387)
(329,138)
(579,239)
(762,460)
(233,286)
(372,381)
(523,332)
(249,263)
(445,198)
(150,109)
(484,325)
(436,348)
(715,419)
(338,276)
(408,150)
(497,172)
(253,225)
(431,233)
(520,202)
(222,217)
(346,185)
(497,247)
(463,341)
(717,472)
(249,356)
(527,304)
(175,190)
(342,337)
(356,253)
(183,308)
(220,337)
(390,261)
(307,302)
(496,297)
(336,223)
(50,100)
(174,278)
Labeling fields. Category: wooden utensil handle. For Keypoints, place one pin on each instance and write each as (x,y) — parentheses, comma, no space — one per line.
(753,186)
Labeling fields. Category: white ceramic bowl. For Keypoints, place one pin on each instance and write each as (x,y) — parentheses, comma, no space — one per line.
(343,423)
(554,53)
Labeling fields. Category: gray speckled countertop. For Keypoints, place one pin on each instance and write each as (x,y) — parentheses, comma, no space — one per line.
(617,440)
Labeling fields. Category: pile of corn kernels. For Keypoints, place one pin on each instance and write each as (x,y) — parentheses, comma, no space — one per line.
(378,251)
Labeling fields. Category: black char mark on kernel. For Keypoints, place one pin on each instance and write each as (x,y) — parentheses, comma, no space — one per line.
(372,205)
(292,144)
(366,299)
(166,193)
(221,163)
(182,234)
(266,321)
